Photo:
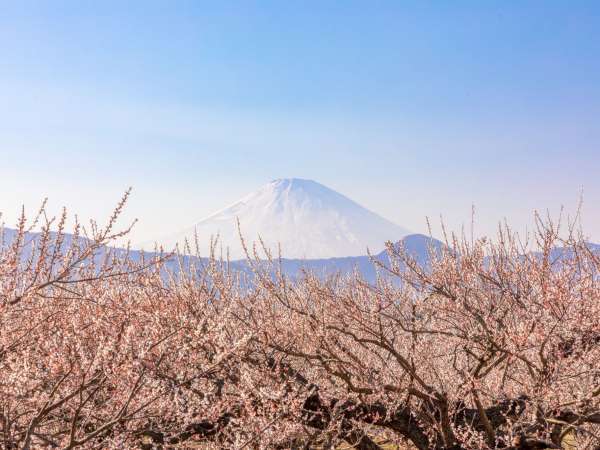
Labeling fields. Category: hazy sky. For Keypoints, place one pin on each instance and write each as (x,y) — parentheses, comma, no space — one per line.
(412,109)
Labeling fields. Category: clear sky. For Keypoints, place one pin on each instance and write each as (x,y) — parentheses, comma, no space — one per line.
(412,109)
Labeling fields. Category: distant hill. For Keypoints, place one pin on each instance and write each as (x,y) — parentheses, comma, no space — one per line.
(417,245)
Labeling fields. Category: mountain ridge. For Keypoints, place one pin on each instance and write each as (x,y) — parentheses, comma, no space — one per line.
(417,245)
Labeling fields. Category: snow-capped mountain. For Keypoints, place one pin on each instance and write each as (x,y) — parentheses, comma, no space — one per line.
(307,219)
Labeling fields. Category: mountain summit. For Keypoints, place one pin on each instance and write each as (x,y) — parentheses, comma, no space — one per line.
(307,219)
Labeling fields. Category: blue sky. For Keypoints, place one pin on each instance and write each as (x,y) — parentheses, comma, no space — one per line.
(413,109)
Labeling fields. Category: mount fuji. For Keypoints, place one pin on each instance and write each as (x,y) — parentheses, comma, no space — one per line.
(306,219)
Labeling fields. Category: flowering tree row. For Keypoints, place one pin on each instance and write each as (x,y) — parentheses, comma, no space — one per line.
(491,345)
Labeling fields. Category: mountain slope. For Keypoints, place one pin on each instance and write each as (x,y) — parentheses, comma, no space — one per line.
(306,218)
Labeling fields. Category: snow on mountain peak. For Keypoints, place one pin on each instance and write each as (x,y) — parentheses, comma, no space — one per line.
(306,218)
